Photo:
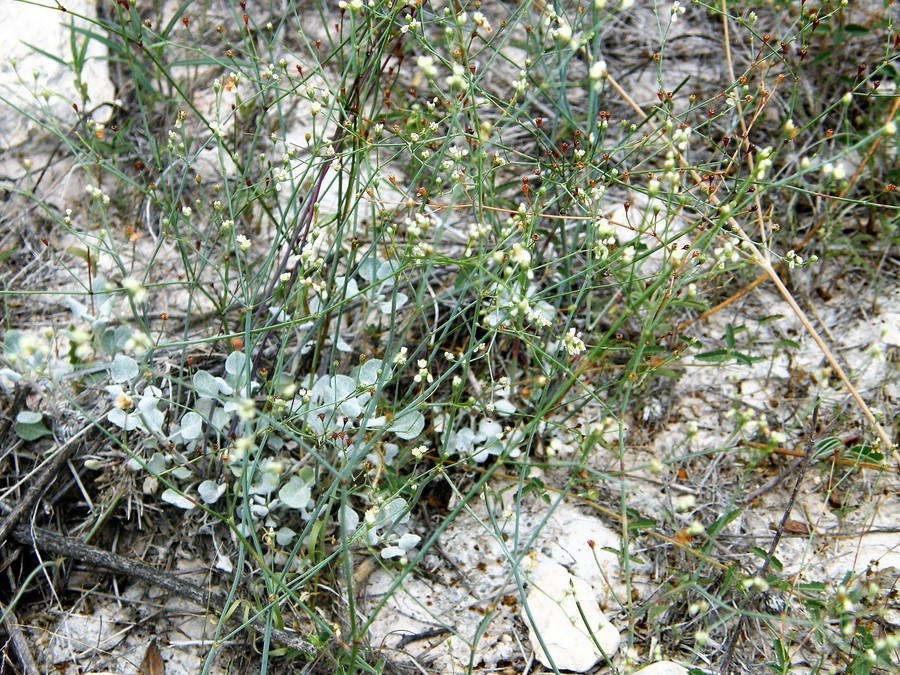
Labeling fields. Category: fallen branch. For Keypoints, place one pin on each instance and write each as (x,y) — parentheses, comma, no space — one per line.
(52,543)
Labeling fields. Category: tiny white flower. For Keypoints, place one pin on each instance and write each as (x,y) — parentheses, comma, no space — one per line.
(598,72)
(243,242)
(134,289)
(479,20)
(685,503)
(246,409)
(573,343)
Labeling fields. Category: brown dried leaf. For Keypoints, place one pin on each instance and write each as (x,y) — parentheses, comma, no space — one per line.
(152,663)
(796,527)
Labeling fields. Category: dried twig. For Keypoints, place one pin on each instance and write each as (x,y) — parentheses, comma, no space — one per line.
(779,532)
(54,544)
(18,642)
(44,478)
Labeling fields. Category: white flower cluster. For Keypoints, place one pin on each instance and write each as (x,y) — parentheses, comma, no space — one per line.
(573,343)
(605,235)
(560,29)
(763,163)
(97,194)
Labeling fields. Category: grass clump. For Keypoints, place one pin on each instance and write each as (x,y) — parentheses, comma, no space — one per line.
(326,283)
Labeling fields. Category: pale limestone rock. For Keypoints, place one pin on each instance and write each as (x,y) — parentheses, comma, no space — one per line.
(554,602)
(34,82)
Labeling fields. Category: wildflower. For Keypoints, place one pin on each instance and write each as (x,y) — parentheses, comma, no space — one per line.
(138,343)
(521,84)
(563,33)
(134,289)
(246,409)
(97,194)
(598,73)
(243,242)
(458,79)
(479,20)
(400,357)
(677,9)
(695,529)
(427,66)
(793,260)
(685,503)
(423,375)
(573,343)
(419,451)
(890,128)
(123,401)
(521,256)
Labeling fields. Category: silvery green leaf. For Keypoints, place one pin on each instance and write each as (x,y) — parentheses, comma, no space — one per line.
(343,387)
(349,519)
(368,373)
(285,536)
(181,472)
(390,513)
(29,426)
(279,314)
(123,420)
(295,493)
(408,425)
(210,491)
(267,484)
(158,463)
(153,419)
(191,426)
(368,269)
(504,406)
(78,310)
(385,271)
(389,552)
(351,408)
(220,418)
(29,417)
(10,375)
(177,499)
(123,369)
(409,541)
(209,386)
(462,441)
(489,430)
(373,422)
(236,363)
(392,305)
